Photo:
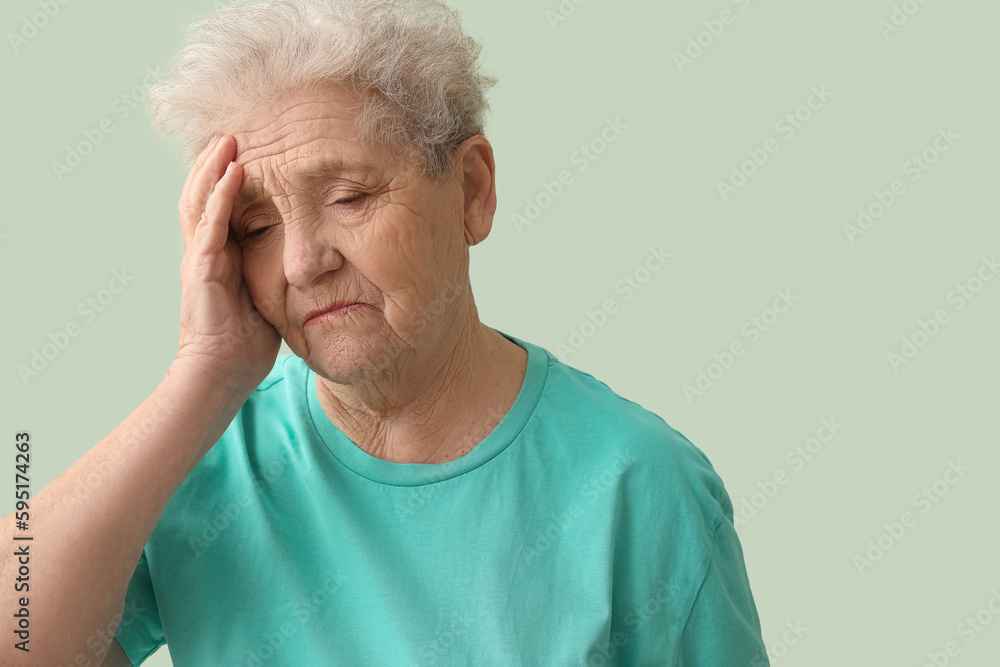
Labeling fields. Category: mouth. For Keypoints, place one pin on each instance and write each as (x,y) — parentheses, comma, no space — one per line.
(334,310)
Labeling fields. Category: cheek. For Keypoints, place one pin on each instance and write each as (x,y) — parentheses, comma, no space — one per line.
(404,252)
(266,283)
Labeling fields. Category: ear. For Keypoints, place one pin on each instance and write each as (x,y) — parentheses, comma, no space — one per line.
(478,179)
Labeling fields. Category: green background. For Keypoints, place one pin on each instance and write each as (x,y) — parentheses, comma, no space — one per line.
(656,185)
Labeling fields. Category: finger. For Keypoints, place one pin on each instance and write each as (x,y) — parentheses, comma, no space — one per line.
(202,182)
(200,160)
(213,228)
(196,192)
(183,206)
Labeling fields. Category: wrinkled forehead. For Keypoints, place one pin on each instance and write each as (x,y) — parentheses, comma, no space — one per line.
(266,176)
(302,144)
(294,121)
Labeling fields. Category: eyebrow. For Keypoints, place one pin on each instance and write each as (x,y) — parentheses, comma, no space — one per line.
(251,193)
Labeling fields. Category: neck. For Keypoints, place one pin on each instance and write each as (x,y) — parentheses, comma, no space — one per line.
(431,407)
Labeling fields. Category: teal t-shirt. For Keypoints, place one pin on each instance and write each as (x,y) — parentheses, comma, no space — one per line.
(583,530)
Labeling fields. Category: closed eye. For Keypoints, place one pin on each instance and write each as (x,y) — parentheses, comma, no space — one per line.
(344,202)
(246,233)
(349,200)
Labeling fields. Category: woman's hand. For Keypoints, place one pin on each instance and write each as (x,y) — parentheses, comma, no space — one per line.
(222,333)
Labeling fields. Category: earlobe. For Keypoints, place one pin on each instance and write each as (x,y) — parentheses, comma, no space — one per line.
(474,213)
(478,185)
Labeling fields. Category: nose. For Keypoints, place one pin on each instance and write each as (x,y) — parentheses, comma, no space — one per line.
(307,252)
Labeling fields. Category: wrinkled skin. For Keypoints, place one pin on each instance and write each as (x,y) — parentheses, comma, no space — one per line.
(409,375)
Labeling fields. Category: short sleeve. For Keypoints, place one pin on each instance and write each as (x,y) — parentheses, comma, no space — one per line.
(140,632)
(723,629)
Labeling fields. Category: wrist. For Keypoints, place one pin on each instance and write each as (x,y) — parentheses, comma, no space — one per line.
(201,374)
(217,395)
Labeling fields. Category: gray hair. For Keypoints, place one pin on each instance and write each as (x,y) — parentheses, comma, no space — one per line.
(409,62)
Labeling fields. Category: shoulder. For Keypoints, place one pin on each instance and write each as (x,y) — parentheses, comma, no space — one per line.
(657,463)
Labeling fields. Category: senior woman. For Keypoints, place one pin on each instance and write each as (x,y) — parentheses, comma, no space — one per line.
(411,486)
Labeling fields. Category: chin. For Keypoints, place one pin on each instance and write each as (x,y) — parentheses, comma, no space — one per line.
(343,358)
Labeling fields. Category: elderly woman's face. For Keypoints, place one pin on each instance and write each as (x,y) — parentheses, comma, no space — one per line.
(322,218)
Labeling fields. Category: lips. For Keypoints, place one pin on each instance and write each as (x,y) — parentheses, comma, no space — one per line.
(336,305)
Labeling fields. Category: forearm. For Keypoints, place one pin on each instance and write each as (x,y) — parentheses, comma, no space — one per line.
(91,523)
